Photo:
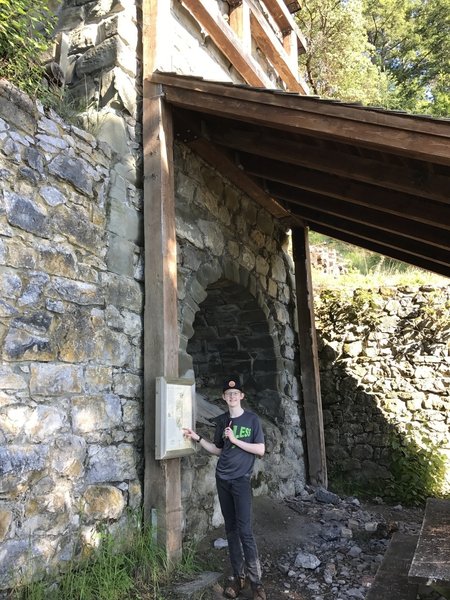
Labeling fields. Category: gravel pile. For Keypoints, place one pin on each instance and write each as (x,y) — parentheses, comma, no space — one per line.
(340,560)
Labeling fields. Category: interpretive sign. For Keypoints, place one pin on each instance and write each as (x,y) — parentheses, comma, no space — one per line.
(175,407)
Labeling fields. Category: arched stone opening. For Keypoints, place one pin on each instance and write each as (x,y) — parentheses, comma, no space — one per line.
(231,335)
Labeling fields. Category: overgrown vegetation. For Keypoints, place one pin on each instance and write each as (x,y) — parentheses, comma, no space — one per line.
(418,468)
(130,566)
(25,35)
(418,472)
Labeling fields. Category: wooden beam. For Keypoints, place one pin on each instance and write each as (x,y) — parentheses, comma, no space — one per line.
(228,169)
(419,180)
(309,362)
(273,50)
(415,137)
(290,46)
(285,21)
(361,194)
(366,232)
(377,219)
(162,479)
(227,42)
(240,24)
(378,246)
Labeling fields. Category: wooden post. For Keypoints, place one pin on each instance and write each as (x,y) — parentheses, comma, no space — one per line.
(240,23)
(309,362)
(162,487)
(290,44)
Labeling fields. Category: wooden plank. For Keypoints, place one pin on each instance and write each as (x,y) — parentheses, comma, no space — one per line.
(240,24)
(285,20)
(431,562)
(273,50)
(417,180)
(290,46)
(421,138)
(162,487)
(361,194)
(309,362)
(377,219)
(391,579)
(368,232)
(161,344)
(227,42)
(378,246)
(414,144)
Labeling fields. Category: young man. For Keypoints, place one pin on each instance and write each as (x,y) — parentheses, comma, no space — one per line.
(238,440)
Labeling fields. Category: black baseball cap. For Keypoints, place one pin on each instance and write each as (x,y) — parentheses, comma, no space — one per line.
(232,383)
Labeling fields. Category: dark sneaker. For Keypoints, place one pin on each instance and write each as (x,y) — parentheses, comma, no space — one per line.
(234,586)
(259,593)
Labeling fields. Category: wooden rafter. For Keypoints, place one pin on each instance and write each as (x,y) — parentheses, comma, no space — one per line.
(401,225)
(378,246)
(415,180)
(274,51)
(229,43)
(369,196)
(403,135)
(389,240)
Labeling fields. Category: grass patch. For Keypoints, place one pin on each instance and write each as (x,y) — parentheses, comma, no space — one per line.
(127,566)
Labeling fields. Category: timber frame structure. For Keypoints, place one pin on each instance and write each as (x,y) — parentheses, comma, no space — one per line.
(374,178)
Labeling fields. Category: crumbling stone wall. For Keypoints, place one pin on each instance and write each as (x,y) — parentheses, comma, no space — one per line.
(70,339)
(385,370)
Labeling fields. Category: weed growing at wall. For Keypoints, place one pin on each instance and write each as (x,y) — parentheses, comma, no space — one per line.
(124,567)
(25,29)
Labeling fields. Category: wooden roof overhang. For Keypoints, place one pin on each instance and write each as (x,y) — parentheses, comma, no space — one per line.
(370,177)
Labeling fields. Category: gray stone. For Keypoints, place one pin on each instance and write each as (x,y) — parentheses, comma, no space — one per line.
(22,345)
(306,560)
(74,170)
(24,213)
(120,256)
(52,195)
(55,379)
(113,463)
(78,292)
(94,413)
(323,495)
(125,221)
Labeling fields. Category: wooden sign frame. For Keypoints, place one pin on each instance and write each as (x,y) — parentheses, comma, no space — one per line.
(175,408)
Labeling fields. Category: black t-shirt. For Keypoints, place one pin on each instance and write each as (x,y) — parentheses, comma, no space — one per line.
(233,461)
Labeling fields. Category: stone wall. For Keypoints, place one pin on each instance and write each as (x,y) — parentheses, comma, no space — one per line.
(70,339)
(385,374)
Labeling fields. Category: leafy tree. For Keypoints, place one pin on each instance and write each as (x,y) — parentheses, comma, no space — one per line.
(338,61)
(411,39)
(392,52)
(25,27)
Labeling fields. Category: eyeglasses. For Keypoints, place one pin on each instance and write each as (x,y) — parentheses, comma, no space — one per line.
(234,393)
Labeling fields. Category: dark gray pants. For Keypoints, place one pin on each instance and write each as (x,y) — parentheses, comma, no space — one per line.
(235,497)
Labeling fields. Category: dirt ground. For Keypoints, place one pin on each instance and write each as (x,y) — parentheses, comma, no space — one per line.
(279,530)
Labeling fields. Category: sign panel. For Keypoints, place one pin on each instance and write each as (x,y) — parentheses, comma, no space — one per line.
(175,408)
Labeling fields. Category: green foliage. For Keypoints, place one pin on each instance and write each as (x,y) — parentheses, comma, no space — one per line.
(124,567)
(25,28)
(411,39)
(395,53)
(418,470)
(337,63)
(369,269)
